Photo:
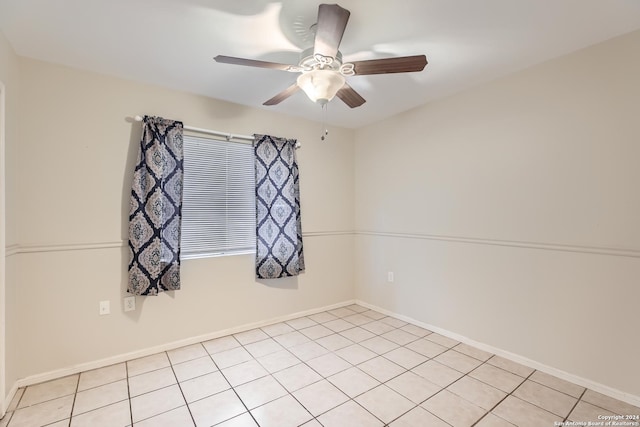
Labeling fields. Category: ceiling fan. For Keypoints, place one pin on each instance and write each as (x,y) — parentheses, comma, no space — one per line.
(323,74)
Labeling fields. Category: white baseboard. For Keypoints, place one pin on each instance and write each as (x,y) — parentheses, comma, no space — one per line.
(71,370)
(8,398)
(600,388)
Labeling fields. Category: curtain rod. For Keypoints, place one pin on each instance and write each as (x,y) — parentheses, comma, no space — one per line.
(227,136)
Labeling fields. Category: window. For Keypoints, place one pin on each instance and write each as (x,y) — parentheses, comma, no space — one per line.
(218,201)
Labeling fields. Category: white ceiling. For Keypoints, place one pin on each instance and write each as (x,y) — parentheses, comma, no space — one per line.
(172,43)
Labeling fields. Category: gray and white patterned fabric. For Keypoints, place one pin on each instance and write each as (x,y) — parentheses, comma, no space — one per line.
(278,222)
(155,209)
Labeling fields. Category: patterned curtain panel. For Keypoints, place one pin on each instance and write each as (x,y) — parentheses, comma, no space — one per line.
(155,209)
(278,226)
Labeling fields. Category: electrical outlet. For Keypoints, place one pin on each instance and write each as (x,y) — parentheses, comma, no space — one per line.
(390,277)
(105,308)
(129,303)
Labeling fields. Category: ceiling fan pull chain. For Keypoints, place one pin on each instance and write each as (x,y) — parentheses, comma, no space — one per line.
(324,132)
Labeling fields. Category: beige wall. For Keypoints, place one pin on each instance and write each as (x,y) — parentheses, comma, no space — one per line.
(72,172)
(510,213)
(9,76)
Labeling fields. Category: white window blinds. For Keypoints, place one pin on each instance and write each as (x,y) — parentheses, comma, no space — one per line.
(218,201)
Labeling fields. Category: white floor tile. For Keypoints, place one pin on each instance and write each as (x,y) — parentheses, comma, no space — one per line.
(508,365)
(373,314)
(496,377)
(283,412)
(426,348)
(176,417)
(381,369)
(301,323)
(263,348)
(437,373)
(98,397)
(416,330)
(342,312)
(150,381)
(353,382)
(244,420)
(278,361)
(453,409)
(277,329)
(219,345)
(291,339)
(396,323)
(355,354)
(315,332)
(384,403)
(296,377)
(322,317)
(339,325)
(377,327)
(557,384)
(357,334)
(147,364)
(217,408)
(349,414)
(251,336)
(491,420)
(473,352)
(260,391)
(308,351)
(334,342)
(115,415)
(194,368)
(404,357)
(610,403)
(320,397)
(546,398)
(418,417)
(442,340)
(48,391)
(204,386)
(232,357)
(379,345)
(477,392)
(41,414)
(244,372)
(328,364)
(154,403)
(523,414)
(458,361)
(357,319)
(102,376)
(413,387)
(184,354)
(400,337)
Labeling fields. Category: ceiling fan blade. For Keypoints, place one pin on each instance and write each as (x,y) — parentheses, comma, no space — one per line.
(254,63)
(332,21)
(403,64)
(283,95)
(350,97)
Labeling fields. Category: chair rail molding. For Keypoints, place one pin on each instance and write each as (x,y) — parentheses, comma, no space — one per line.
(599,250)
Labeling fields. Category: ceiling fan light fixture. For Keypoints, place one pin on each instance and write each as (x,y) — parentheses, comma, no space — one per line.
(321,85)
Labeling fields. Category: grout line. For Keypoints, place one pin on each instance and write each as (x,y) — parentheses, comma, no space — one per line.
(574,405)
(73,404)
(126,371)
(180,385)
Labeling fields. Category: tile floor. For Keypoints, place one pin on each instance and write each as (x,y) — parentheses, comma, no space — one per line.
(347,367)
